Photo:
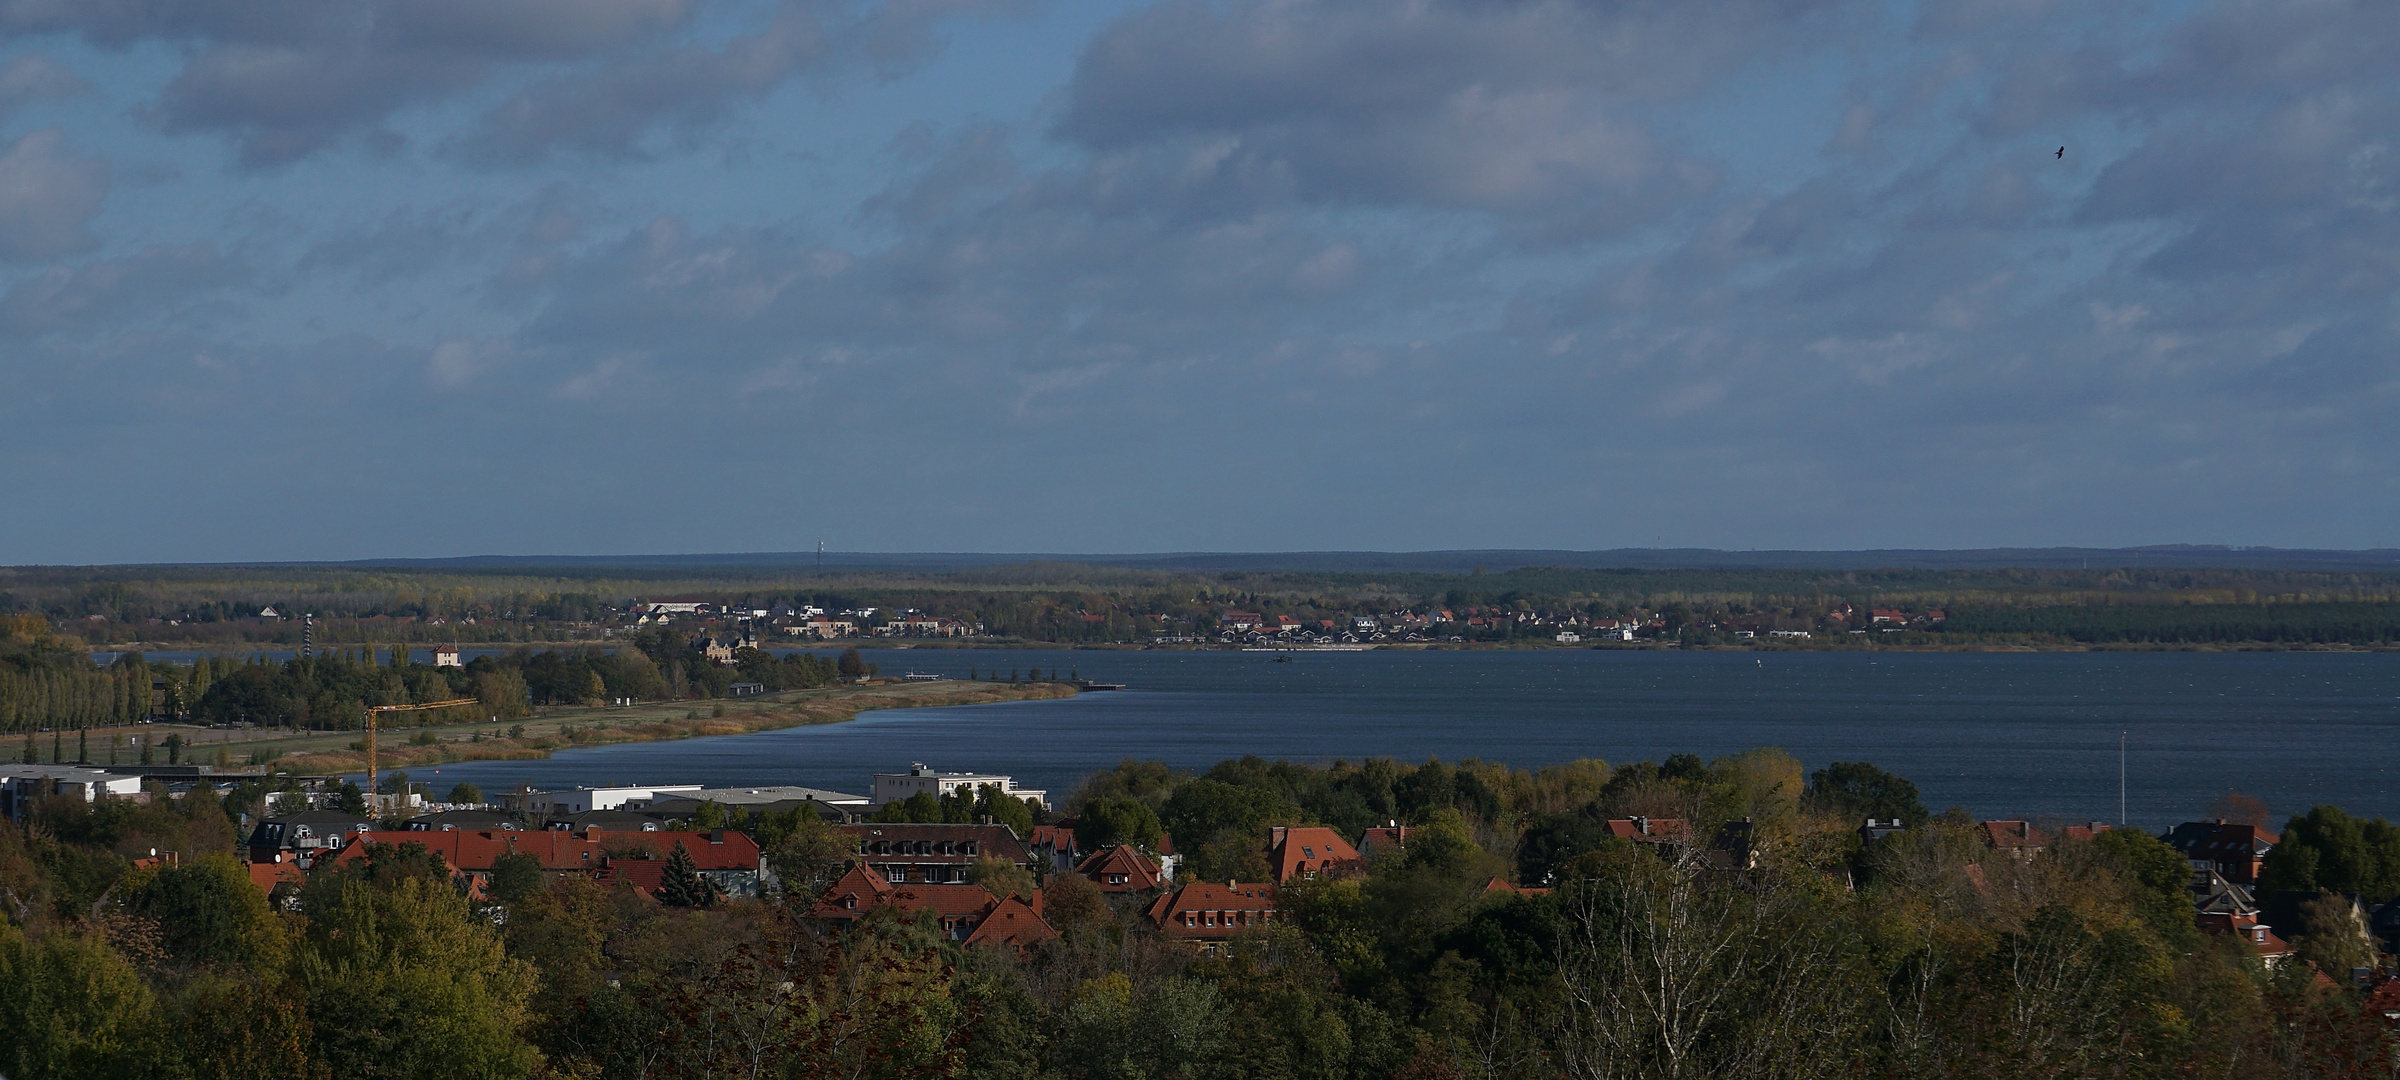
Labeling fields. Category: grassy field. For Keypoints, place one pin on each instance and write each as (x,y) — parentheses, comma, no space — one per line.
(551,729)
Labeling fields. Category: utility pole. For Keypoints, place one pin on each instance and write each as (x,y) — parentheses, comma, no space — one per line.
(820,557)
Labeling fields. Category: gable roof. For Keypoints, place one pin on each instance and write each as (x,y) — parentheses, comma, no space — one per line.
(1650,830)
(2011,835)
(992,841)
(1012,922)
(1309,849)
(1232,907)
(1120,868)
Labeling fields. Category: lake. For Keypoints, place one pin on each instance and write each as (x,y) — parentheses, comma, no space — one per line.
(2001,734)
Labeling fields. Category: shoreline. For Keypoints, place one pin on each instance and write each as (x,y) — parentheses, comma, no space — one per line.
(576,727)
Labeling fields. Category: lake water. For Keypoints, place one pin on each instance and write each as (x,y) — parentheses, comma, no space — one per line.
(2001,734)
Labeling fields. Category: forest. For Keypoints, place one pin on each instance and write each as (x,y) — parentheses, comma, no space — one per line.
(49,683)
(1924,953)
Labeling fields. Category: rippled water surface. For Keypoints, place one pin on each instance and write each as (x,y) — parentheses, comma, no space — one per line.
(2014,734)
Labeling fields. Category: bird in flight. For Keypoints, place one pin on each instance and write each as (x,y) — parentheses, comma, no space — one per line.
(2062,153)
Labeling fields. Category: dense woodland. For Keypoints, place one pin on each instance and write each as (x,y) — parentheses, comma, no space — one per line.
(1922,954)
(49,682)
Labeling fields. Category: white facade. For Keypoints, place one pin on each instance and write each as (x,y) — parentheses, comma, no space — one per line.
(579,800)
(21,784)
(894,787)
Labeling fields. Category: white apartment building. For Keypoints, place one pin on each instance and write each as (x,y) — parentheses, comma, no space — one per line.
(894,787)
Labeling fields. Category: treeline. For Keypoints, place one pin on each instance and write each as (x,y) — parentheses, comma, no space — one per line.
(2298,623)
(1803,953)
(50,683)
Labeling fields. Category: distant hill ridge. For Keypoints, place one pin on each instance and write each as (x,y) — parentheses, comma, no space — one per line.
(1495,560)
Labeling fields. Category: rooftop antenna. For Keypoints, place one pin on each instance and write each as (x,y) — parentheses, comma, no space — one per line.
(2120,779)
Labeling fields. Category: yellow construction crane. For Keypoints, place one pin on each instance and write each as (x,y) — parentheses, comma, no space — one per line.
(373,710)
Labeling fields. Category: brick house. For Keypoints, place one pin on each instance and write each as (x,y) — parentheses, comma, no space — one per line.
(2235,851)
(965,913)
(1309,850)
(2016,839)
(933,854)
(1377,843)
(1120,868)
(1209,915)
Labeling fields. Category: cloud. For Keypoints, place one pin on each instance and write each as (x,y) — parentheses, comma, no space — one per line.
(137,289)
(284,79)
(28,79)
(1535,111)
(48,197)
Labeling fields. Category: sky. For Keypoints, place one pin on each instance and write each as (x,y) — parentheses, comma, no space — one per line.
(332,279)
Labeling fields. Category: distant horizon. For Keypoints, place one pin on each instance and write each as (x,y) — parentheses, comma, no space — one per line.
(1436,560)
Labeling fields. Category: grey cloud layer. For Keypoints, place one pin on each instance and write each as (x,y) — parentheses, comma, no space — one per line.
(288,78)
(1385,265)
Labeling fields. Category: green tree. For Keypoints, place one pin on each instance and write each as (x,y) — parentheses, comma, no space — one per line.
(681,883)
(466,793)
(1002,877)
(852,666)
(209,912)
(1857,790)
(514,877)
(2326,848)
(422,988)
(351,800)
(71,1009)
(1118,820)
(805,852)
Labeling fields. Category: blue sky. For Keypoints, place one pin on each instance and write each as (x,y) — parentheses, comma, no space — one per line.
(353,278)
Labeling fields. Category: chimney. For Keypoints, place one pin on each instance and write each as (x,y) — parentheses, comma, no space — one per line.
(1274,835)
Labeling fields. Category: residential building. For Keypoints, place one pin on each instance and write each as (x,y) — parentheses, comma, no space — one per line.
(1501,885)
(2272,949)
(897,787)
(1012,922)
(1377,843)
(1308,851)
(302,837)
(962,911)
(2236,851)
(446,656)
(730,859)
(933,854)
(1208,915)
(2069,833)
(1121,868)
(1055,844)
(2018,839)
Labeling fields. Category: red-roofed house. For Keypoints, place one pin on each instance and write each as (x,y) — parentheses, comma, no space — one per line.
(960,909)
(2019,839)
(1012,922)
(1055,844)
(1647,830)
(1120,868)
(2082,832)
(1209,915)
(1377,843)
(1501,885)
(269,875)
(2272,950)
(730,859)
(1309,850)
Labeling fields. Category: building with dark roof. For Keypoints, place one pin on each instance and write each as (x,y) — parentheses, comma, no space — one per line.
(933,854)
(2236,851)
